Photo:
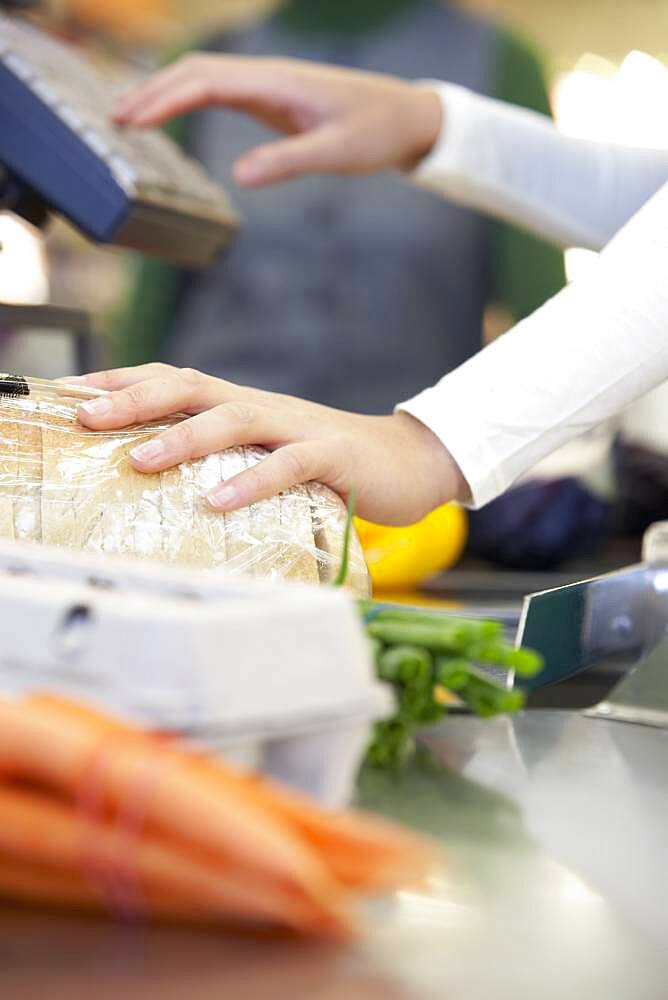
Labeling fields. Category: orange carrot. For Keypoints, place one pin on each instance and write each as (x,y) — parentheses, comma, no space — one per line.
(130,872)
(40,884)
(46,886)
(288,856)
(43,741)
(363,852)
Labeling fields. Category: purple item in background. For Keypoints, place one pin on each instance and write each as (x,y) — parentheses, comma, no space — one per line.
(540,525)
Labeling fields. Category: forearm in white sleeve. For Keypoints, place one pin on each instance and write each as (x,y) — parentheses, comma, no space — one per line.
(585,355)
(515,165)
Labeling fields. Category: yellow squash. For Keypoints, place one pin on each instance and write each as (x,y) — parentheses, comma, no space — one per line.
(404,557)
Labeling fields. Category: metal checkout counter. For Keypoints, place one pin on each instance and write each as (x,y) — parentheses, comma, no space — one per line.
(556,821)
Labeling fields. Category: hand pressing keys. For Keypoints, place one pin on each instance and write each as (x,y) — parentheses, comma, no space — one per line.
(337,120)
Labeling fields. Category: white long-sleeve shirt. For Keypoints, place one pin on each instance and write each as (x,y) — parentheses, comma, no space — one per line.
(594,348)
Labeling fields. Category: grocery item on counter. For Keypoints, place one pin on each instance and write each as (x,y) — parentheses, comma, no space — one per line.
(436,663)
(404,557)
(65,485)
(99,815)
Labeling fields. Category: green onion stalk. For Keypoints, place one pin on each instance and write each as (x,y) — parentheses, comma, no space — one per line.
(434,663)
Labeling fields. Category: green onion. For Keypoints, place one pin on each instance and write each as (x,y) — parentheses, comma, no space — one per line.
(446,637)
(452,673)
(422,655)
(525,662)
(478,629)
(408,664)
(342,575)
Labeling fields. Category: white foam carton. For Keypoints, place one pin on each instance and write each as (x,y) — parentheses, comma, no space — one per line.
(277,676)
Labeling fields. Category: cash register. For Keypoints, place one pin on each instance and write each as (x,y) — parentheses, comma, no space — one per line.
(60,154)
(59,151)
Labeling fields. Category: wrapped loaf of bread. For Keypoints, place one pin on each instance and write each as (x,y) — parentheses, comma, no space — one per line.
(62,484)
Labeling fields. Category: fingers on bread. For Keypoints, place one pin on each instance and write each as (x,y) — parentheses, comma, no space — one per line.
(63,485)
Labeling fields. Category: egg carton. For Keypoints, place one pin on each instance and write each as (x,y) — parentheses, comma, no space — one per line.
(276,676)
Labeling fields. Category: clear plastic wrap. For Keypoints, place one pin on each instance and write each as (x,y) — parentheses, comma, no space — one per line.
(65,485)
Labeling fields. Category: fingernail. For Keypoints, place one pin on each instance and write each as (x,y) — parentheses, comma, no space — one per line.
(151,451)
(71,380)
(97,407)
(221,497)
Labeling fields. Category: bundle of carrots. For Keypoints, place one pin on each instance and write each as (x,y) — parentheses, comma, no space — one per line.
(96,814)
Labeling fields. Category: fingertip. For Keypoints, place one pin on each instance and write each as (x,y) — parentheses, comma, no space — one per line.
(137,119)
(251,171)
(223,497)
(123,107)
(94,410)
(134,110)
(146,457)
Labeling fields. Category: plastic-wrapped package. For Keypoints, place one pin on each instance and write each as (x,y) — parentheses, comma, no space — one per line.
(65,485)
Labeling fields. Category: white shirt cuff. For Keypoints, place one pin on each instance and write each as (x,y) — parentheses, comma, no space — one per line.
(449,416)
(443,165)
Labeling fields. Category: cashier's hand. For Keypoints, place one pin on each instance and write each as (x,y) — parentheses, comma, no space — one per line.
(399,467)
(336,120)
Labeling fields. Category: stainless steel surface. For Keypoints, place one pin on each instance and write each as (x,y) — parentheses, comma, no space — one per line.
(595,631)
(641,696)
(592,633)
(489,584)
(555,826)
